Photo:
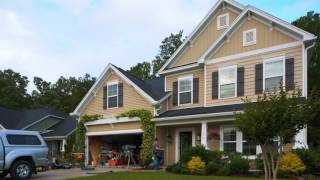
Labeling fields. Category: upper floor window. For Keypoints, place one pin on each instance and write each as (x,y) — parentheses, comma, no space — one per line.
(223,21)
(249,37)
(227,81)
(185,90)
(273,73)
(112,94)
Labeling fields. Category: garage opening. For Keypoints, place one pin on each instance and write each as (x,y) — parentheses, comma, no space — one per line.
(115,150)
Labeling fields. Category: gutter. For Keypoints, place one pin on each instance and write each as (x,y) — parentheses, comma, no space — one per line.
(194,116)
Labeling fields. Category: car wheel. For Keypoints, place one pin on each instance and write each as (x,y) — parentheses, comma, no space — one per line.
(21,170)
(3,174)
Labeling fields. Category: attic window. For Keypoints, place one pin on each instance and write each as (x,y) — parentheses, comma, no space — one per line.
(249,37)
(223,21)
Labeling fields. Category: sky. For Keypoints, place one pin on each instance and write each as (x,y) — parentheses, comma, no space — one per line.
(53,38)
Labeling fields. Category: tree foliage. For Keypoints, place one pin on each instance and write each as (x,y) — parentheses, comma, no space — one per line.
(276,115)
(168,46)
(13,90)
(311,23)
(63,95)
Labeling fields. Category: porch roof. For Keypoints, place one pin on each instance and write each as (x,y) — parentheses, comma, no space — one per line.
(202,111)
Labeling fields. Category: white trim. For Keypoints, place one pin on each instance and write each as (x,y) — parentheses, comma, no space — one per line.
(102,133)
(254,52)
(113,82)
(274,59)
(235,80)
(86,151)
(194,116)
(180,68)
(112,120)
(184,78)
(219,27)
(305,69)
(194,32)
(178,131)
(244,38)
(306,36)
(41,119)
(204,134)
(99,81)
(165,83)
(182,122)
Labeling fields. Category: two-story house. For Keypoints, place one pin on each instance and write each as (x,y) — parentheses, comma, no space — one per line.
(235,52)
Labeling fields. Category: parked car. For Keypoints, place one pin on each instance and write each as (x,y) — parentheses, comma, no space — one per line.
(21,152)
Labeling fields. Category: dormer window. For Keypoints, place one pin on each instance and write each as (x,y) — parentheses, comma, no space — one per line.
(223,21)
(249,37)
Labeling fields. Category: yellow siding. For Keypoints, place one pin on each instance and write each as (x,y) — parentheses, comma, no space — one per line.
(196,74)
(265,38)
(204,40)
(249,74)
(131,100)
(114,127)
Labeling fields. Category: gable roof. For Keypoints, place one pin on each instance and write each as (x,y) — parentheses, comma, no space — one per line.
(19,119)
(254,12)
(304,36)
(198,29)
(151,90)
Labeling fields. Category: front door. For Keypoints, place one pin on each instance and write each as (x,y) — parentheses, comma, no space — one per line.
(185,141)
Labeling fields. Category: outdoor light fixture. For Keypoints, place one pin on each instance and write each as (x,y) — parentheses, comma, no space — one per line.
(198,138)
(169,139)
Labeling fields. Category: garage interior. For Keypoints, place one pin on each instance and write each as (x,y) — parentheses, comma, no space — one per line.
(115,150)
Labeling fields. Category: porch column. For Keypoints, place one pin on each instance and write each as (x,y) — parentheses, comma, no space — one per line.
(204,134)
(301,140)
(63,144)
(86,155)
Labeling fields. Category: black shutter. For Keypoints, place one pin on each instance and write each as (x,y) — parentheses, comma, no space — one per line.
(259,78)
(105,97)
(120,94)
(215,85)
(240,81)
(175,93)
(195,90)
(289,74)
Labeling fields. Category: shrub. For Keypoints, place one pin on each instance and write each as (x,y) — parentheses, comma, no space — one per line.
(200,172)
(214,156)
(291,163)
(199,151)
(238,165)
(177,168)
(212,167)
(224,171)
(310,158)
(195,164)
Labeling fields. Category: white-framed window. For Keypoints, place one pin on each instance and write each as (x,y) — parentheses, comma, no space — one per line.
(250,37)
(227,82)
(273,73)
(232,140)
(223,21)
(185,89)
(112,94)
(229,139)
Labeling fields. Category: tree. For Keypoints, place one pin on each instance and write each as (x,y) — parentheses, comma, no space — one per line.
(13,90)
(168,46)
(64,95)
(275,116)
(311,23)
(141,70)
(314,120)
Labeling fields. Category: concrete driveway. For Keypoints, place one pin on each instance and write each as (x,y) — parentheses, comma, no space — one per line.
(58,174)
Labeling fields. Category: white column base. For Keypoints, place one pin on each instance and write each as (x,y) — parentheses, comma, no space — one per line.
(301,140)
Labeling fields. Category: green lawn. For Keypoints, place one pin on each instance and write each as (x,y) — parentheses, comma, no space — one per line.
(157,176)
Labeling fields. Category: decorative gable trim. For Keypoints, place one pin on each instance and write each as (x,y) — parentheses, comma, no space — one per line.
(247,13)
(197,30)
(93,90)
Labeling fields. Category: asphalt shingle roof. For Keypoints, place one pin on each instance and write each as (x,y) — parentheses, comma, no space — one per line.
(202,110)
(153,87)
(20,118)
